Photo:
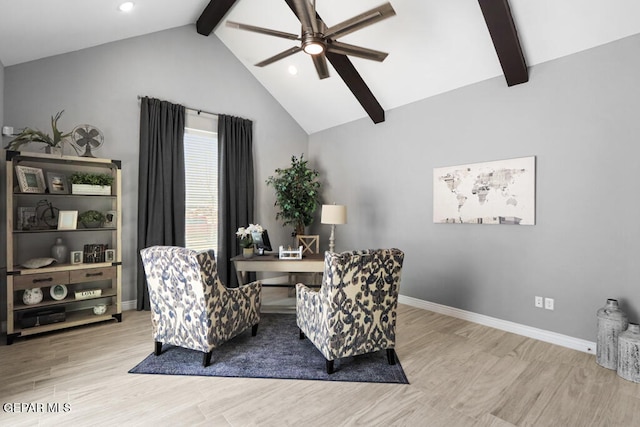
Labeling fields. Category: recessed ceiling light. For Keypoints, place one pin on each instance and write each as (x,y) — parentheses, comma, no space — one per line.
(126,6)
(293,70)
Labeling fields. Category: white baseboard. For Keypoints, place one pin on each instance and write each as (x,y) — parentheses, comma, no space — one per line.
(129,305)
(503,325)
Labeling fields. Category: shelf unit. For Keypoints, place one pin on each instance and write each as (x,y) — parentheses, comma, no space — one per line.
(36,242)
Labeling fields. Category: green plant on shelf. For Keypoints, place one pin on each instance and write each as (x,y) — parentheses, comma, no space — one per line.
(33,135)
(91,218)
(102,179)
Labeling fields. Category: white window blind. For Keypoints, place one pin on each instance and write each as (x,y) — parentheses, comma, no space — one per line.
(201,182)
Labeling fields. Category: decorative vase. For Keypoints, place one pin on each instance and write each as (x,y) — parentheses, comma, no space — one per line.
(611,321)
(32,296)
(247,252)
(59,251)
(629,353)
(99,309)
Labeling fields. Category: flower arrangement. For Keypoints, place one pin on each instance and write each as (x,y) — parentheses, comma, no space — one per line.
(245,234)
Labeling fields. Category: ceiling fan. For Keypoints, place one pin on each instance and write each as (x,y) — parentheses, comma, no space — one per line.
(318,40)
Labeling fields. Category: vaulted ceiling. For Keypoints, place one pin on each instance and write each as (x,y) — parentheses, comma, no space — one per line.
(434,46)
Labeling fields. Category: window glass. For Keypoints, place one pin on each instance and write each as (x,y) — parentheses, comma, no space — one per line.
(201,181)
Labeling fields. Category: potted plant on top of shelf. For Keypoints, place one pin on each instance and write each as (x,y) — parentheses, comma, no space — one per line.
(53,144)
(297,194)
(91,183)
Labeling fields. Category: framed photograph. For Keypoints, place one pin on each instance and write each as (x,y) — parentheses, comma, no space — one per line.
(76,257)
(27,218)
(110,219)
(110,255)
(57,183)
(31,180)
(67,220)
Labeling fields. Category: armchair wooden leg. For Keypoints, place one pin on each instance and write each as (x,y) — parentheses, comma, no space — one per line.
(391,356)
(254,330)
(206,359)
(329,367)
(158,348)
(301,334)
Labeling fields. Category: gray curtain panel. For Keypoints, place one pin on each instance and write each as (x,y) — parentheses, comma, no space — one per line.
(235,192)
(161,187)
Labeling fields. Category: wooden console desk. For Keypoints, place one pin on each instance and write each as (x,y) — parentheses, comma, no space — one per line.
(271,263)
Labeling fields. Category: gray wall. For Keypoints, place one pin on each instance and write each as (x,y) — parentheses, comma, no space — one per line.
(579,116)
(100,86)
(3,235)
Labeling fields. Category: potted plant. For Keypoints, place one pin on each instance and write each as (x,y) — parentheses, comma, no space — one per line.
(246,238)
(91,183)
(297,194)
(91,219)
(52,143)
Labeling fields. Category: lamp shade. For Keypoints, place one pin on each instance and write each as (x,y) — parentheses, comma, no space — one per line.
(334,214)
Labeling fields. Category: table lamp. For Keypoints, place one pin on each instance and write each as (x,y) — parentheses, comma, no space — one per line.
(333,214)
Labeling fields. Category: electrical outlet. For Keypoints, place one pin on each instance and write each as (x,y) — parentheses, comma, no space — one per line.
(539,302)
(548,303)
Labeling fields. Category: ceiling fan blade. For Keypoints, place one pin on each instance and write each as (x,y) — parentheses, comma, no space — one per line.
(279,56)
(360,21)
(262,30)
(321,66)
(344,67)
(361,52)
(306,15)
(212,15)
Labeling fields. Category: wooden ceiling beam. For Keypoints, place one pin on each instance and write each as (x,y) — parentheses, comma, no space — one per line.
(502,29)
(212,15)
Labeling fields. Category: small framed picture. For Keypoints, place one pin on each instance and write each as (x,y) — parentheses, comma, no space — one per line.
(110,255)
(57,183)
(110,219)
(67,220)
(27,218)
(76,257)
(31,180)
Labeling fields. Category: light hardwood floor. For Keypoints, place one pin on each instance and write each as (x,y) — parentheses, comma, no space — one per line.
(461,374)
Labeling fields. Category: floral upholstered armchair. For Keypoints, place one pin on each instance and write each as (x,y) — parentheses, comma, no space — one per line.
(190,306)
(354,312)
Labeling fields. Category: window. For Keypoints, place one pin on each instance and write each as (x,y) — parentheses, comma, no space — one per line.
(201,181)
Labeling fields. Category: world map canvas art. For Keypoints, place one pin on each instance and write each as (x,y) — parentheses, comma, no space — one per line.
(499,192)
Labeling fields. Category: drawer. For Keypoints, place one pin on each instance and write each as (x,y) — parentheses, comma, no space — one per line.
(40,280)
(92,274)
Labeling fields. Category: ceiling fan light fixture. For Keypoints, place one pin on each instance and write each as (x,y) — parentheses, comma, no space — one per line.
(313,45)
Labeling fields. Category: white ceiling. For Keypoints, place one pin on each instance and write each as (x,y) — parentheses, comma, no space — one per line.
(434,45)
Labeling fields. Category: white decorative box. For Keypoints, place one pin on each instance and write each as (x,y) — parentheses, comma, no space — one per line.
(86,189)
(88,293)
(290,253)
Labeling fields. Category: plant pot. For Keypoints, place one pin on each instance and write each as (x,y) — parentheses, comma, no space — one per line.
(247,252)
(87,189)
(56,151)
(91,224)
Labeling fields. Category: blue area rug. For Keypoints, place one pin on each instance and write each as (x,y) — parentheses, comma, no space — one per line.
(276,352)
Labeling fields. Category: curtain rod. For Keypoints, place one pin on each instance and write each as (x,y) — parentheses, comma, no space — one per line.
(197,110)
